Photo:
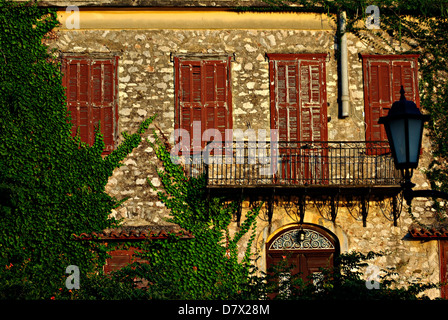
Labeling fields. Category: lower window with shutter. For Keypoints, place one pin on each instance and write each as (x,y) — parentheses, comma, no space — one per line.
(91,91)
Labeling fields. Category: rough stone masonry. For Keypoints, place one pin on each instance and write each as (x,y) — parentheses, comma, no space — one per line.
(146,87)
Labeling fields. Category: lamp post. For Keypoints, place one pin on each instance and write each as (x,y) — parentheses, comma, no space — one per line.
(404,130)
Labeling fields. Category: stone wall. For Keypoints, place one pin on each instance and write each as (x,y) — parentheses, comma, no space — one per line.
(146,87)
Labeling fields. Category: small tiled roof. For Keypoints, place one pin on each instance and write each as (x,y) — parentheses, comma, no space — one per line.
(428,233)
(134,233)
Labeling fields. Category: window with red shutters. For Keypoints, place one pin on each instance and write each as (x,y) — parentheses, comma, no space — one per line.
(92,97)
(383,77)
(299,113)
(298,96)
(120,258)
(203,94)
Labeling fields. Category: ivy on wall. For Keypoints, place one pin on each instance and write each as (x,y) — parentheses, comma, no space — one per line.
(51,184)
(207,266)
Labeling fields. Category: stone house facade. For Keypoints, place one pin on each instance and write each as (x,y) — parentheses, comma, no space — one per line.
(191,61)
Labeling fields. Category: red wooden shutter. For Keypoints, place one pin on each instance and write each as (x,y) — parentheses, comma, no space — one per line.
(216,100)
(91,97)
(103,100)
(190,97)
(380,99)
(298,96)
(299,112)
(78,92)
(404,73)
(383,78)
(203,94)
(313,102)
(286,99)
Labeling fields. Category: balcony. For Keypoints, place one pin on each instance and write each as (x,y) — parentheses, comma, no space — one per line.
(341,165)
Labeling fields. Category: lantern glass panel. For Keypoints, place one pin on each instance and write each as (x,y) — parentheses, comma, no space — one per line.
(398,137)
(415,131)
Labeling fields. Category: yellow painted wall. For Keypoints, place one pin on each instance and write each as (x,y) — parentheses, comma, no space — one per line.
(194,19)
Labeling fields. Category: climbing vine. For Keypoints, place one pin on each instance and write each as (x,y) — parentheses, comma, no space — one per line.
(207,266)
(52,185)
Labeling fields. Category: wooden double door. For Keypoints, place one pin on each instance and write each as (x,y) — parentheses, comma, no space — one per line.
(305,263)
(303,258)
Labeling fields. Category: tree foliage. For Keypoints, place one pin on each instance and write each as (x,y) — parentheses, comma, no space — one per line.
(52,185)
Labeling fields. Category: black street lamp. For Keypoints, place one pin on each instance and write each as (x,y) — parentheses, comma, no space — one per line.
(404,129)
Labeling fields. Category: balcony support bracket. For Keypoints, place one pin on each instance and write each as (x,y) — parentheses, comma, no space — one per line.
(270,209)
(365,206)
(364,209)
(330,201)
(361,202)
(333,207)
(395,211)
(238,211)
(301,202)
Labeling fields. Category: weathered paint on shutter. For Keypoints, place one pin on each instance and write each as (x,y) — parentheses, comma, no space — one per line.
(383,77)
(210,95)
(404,74)
(215,104)
(286,99)
(91,97)
(190,97)
(298,97)
(313,103)
(299,112)
(103,102)
(78,90)
(203,95)
(380,99)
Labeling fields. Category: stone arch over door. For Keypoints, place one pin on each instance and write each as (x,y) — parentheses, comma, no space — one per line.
(319,249)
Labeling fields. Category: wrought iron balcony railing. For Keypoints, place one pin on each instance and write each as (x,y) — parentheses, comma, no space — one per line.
(299,163)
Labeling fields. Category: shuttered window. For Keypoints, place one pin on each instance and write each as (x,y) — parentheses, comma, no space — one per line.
(203,94)
(92,97)
(298,96)
(383,78)
(299,113)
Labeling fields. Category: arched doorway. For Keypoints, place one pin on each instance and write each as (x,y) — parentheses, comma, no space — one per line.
(318,249)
